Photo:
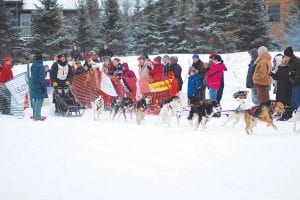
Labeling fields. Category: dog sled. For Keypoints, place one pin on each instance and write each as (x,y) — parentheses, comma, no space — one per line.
(88,86)
(164,87)
(242,94)
(66,103)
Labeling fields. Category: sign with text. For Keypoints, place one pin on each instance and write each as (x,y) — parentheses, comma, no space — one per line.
(18,87)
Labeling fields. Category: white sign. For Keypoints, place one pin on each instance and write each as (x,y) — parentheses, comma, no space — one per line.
(18,87)
(106,86)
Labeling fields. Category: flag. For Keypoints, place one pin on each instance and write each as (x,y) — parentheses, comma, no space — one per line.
(106,86)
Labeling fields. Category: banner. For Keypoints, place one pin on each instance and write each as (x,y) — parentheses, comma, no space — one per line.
(18,87)
(161,86)
(106,86)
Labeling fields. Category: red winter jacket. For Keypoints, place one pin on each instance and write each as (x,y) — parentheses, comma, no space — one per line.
(6,73)
(127,72)
(214,75)
(157,72)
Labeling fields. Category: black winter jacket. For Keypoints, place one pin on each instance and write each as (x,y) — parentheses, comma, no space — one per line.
(284,86)
(294,70)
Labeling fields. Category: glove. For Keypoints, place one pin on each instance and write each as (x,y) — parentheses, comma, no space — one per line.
(272,75)
(67,83)
(54,84)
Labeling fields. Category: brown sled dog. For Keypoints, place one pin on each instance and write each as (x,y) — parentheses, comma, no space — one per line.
(263,112)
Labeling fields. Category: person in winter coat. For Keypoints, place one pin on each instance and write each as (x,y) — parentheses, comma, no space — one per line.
(144,67)
(106,65)
(157,69)
(249,81)
(284,88)
(75,53)
(194,86)
(38,86)
(199,66)
(6,72)
(261,78)
(117,66)
(127,72)
(105,51)
(144,74)
(294,75)
(277,61)
(214,76)
(61,72)
(79,68)
(94,57)
(221,89)
(165,61)
(177,70)
(5,76)
(88,66)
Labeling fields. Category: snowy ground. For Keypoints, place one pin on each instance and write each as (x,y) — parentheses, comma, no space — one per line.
(79,158)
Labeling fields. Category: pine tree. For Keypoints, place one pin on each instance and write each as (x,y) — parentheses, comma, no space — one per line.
(146,30)
(127,26)
(253,29)
(70,25)
(292,29)
(137,6)
(94,14)
(9,40)
(177,22)
(85,39)
(220,16)
(47,29)
(199,29)
(112,27)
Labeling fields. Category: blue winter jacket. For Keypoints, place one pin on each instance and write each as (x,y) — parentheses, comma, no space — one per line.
(194,83)
(37,81)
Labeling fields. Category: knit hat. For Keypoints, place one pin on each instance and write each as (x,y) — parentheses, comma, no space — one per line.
(125,65)
(195,56)
(8,59)
(166,56)
(253,53)
(211,55)
(262,50)
(289,52)
(173,59)
(157,59)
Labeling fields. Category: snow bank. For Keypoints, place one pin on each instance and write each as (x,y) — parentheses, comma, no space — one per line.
(78,158)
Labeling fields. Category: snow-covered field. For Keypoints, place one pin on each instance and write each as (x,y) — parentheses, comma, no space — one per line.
(79,158)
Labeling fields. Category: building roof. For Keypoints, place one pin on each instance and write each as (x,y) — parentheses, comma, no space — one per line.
(67,4)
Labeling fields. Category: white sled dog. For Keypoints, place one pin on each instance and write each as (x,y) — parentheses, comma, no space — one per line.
(170,110)
(98,107)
